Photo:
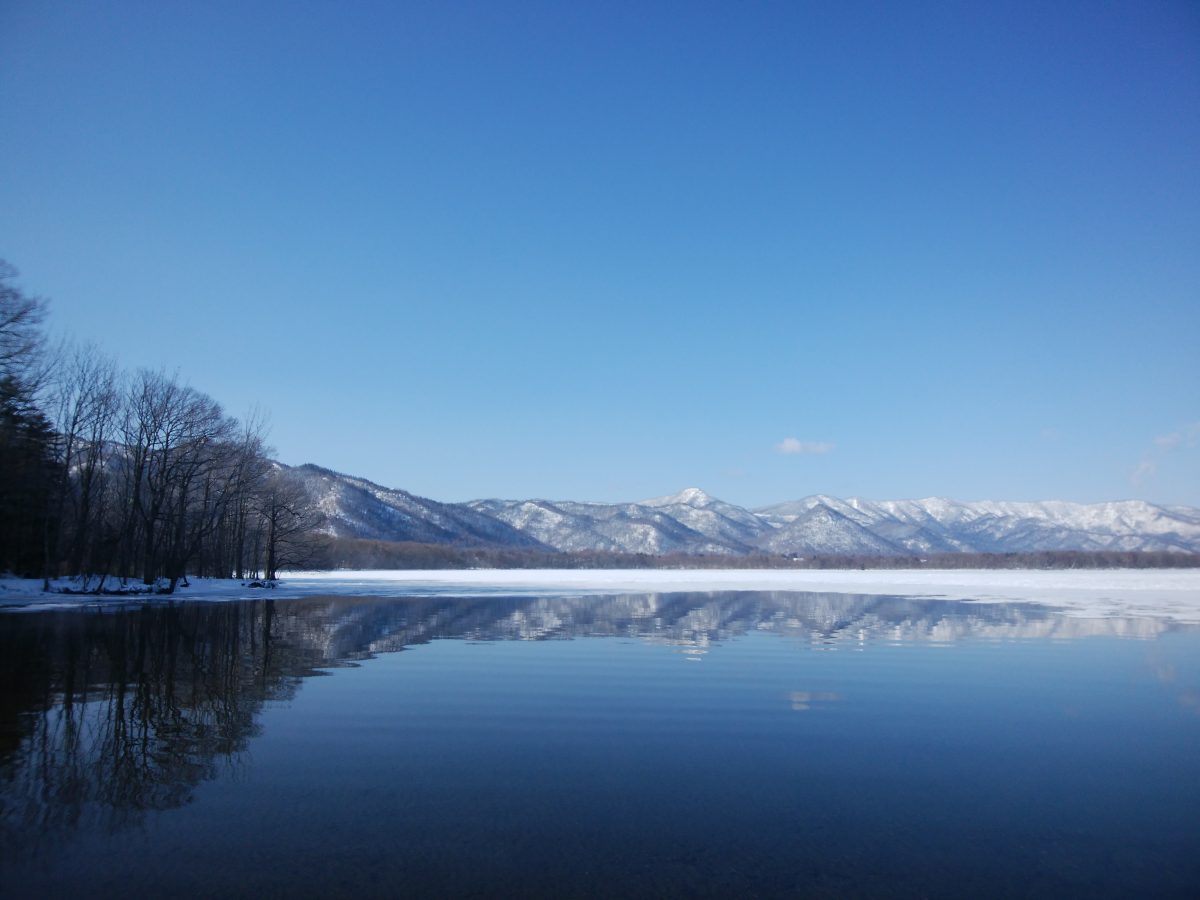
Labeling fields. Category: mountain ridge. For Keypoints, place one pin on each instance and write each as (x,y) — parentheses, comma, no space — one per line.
(693,522)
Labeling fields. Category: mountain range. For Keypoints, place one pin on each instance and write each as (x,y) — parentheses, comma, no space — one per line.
(693,522)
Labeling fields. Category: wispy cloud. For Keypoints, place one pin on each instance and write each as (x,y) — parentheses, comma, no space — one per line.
(1143,472)
(791,446)
(1186,437)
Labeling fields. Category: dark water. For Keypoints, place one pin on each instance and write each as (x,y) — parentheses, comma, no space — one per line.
(750,744)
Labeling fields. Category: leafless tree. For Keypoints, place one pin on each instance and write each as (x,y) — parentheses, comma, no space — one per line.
(177,440)
(130,475)
(21,337)
(84,403)
(288,521)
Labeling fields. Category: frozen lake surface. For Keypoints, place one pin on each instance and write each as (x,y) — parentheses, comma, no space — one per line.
(1174,593)
(609,734)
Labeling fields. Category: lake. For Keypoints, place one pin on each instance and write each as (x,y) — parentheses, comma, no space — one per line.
(702,743)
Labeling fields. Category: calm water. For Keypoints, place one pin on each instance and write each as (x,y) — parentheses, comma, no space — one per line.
(770,744)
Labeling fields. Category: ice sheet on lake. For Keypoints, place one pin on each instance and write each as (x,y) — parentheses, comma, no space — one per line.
(1160,593)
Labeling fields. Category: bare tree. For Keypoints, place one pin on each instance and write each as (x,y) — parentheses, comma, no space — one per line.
(108,474)
(176,439)
(289,522)
(84,404)
(250,470)
(21,337)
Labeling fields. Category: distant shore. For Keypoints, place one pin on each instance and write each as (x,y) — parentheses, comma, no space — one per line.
(359,553)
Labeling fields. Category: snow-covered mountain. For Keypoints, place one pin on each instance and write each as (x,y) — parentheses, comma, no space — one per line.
(824,529)
(693,522)
(938,525)
(355,507)
(715,519)
(620,527)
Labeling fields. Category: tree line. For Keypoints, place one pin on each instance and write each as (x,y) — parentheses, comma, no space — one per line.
(127,477)
(359,553)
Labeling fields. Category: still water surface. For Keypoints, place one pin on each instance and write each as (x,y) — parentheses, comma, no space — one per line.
(755,743)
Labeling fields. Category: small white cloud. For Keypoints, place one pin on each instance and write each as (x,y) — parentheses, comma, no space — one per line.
(1169,441)
(791,446)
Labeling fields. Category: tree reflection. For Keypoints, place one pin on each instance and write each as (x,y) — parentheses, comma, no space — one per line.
(121,712)
(109,714)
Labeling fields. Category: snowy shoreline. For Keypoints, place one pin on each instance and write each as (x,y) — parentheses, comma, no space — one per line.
(1161,593)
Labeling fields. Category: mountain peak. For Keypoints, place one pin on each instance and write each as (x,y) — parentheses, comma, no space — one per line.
(691,496)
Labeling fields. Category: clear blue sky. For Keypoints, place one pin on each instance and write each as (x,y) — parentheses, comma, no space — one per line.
(604,251)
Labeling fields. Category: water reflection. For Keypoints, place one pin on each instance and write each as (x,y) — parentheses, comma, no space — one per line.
(806,700)
(108,715)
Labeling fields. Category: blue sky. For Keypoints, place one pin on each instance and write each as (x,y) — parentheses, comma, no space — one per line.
(606,251)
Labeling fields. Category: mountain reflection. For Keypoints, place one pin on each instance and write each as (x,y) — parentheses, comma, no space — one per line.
(107,715)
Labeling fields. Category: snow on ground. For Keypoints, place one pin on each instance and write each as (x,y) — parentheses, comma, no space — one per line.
(1161,593)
